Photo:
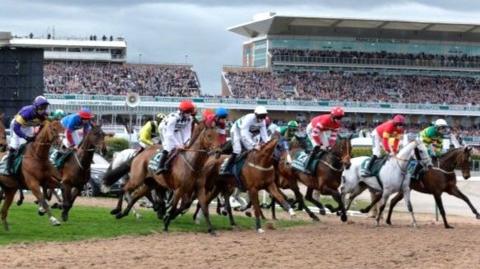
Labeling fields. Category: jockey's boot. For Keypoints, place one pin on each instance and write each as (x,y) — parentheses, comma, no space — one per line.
(311,157)
(226,170)
(368,170)
(10,160)
(161,163)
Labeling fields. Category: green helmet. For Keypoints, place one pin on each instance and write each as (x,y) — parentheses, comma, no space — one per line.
(292,124)
(57,114)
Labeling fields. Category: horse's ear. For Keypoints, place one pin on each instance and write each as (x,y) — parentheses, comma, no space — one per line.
(468,149)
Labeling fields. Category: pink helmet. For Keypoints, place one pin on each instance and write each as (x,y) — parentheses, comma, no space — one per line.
(399,119)
(337,112)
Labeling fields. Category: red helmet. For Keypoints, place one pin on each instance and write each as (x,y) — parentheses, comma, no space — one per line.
(85,114)
(186,106)
(337,112)
(399,119)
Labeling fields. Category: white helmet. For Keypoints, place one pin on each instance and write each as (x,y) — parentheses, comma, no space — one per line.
(260,110)
(440,123)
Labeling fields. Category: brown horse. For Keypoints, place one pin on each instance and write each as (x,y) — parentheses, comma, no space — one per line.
(258,173)
(185,168)
(326,180)
(441,179)
(76,170)
(36,171)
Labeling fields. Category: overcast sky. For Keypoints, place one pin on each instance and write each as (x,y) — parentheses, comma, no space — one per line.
(167,31)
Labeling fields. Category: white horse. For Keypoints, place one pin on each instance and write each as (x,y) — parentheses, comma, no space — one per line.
(393,178)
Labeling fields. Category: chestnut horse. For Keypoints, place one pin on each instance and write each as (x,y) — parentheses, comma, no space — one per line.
(36,171)
(185,169)
(76,170)
(257,173)
(326,180)
(441,179)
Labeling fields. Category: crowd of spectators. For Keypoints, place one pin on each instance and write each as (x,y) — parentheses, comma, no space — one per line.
(347,86)
(118,79)
(381,57)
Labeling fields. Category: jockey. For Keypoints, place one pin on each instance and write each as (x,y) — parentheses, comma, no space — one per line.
(23,126)
(322,131)
(58,114)
(432,137)
(288,132)
(150,130)
(176,131)
(220,118)
(243,132)
(391,129)
(73,123)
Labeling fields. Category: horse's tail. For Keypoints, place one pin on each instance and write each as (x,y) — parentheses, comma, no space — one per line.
(114,174)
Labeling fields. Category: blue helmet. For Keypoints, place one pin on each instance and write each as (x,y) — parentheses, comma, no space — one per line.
(221,112)
(40,101)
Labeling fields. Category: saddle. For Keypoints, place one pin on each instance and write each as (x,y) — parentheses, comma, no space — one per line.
(238,164)
(301,158)
(377,165)
(58,157)
(17,163)
(155,160)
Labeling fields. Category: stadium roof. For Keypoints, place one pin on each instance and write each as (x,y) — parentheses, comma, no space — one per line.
(6,39)
(292,25)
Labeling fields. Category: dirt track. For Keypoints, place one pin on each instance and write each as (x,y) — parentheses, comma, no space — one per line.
(328,244)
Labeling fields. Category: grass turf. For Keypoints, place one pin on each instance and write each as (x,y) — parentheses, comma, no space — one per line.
(95,222)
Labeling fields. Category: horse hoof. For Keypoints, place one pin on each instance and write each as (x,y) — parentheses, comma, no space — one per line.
(364,210)
(41,213)
(115,211)
(478,216)
(54,221)
(212,233)
(19,202)
(224,213)
(448,227)
(323,212)
(260,231)
(388,222)
(64,217)
(248,214)
(119,215)
(343,218)
(339,213)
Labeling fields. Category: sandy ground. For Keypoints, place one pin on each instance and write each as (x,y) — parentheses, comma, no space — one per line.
(328,244)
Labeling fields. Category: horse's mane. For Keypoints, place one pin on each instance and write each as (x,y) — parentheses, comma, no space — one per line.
(197,130)
(450,153)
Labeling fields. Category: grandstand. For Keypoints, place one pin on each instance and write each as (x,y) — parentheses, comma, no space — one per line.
(396,65)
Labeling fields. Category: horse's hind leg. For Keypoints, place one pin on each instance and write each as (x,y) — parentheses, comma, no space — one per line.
(338,198)
(382,202)
(203,201)
(9,195)
(353,195)
(118,208)
(397,198)
(457,193)
(137,194)
(67,201)
(228,207)
(378,196)
(21,198)
(172,212)
(301,202)
(309,197)
(275,192)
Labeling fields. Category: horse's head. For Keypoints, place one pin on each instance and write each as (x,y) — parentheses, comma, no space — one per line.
(266,150)
(343,149)
(206,136)
(95,140)
(463,160)
(50,133)
(299,141)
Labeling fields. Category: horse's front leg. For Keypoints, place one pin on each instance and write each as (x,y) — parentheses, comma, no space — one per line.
(35,188)
(309,197)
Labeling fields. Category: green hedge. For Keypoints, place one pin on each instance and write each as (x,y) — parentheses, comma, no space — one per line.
(115,144)
(367,151)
